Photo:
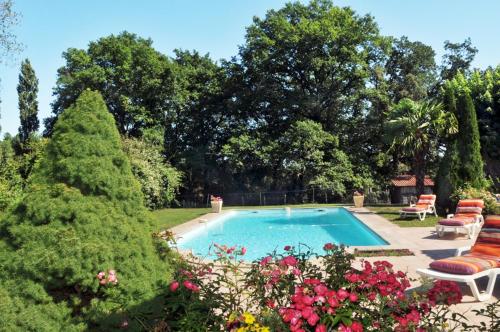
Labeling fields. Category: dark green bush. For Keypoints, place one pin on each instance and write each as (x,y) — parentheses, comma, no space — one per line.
(82,213)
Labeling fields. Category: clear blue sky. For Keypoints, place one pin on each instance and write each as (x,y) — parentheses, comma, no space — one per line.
(49,27)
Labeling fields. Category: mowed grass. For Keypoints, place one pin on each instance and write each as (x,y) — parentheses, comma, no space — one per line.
(391,213)
(167,218)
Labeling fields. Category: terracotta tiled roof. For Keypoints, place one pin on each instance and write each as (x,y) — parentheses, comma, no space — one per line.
(410,181)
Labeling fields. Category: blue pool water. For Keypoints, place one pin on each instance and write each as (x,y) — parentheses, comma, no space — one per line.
(262,231)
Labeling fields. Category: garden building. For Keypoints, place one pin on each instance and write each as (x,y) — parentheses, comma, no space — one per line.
(404,188)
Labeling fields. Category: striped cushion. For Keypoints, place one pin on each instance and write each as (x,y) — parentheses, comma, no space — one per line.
(428,197)
(471,202)
(469,209)
(425,202)
(488,240)
(456,221)
(414,209)
(467,264)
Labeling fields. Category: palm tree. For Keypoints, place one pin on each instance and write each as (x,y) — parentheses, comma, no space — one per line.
(413,128)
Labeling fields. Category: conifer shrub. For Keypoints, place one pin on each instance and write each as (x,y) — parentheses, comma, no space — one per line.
(80,238)
(470,170)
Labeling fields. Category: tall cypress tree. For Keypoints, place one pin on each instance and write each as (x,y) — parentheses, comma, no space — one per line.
(27,90)
(470,169)
(447,178)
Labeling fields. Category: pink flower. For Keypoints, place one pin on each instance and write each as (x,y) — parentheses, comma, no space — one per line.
(101,275)
(313,319)
(342,294)
(356,327)
(270,303)
(243,250)
(320,289)
(320,328)
(287,248)
(353,297)
(289,260)
(112,277)
(296,272)
(266,260)
(189,285)
(174,285)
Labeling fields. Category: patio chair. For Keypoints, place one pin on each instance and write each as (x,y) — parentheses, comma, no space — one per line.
(424,205)
(467,217)
(482,261)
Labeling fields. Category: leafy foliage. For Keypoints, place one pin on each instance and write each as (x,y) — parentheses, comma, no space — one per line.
(83,213)
(11,182)
(27,90)
(304,155)
(415,128)
(159,181)
(490,202)
(140,98)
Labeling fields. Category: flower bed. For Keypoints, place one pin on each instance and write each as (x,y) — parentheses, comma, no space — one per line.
(298,290)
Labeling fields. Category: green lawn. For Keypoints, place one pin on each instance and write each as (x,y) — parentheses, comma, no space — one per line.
(167,218)
(391,213)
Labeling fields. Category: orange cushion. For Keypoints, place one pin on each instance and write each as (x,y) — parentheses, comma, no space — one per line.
(488,239)
(471,202)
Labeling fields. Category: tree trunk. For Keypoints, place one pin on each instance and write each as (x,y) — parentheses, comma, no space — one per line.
(420,172)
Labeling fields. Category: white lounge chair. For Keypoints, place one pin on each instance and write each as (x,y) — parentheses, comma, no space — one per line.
(424,205)
(482,261)
(467,217)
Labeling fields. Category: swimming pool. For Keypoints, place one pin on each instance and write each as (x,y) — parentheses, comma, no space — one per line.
(262,231)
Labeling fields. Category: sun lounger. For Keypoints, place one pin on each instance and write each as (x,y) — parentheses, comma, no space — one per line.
(424,205)
(482,261)
(467,217)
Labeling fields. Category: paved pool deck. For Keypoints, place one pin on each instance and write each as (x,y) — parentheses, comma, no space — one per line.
(422,241)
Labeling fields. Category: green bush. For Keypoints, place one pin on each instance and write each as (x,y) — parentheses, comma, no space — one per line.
(82,214)
(159,181)
(490,202)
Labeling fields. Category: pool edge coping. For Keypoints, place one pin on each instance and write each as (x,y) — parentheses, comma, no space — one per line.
(385,229)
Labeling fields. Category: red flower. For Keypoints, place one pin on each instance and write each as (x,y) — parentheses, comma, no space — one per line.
(174,285)
(320,328)
(328,246)
(353,297)
(287,248)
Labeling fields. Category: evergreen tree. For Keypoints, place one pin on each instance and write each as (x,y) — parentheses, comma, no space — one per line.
(82,214)
(470,169)
(447,177)
(27,90)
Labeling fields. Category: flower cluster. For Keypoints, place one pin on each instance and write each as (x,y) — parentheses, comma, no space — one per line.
(109,279)
(187,281)
(312,300)
(313,295)
(223,251)
(444,292)
(215,198)
(243,323)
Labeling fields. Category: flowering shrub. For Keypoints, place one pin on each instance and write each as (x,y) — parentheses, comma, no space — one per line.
(298,290)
